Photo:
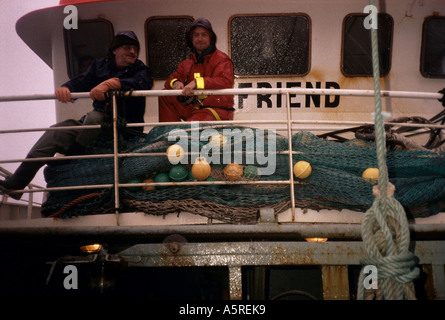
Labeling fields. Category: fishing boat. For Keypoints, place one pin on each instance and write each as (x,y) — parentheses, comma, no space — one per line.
(309,109)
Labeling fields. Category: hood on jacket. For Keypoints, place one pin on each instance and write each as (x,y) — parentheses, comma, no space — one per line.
(201,22)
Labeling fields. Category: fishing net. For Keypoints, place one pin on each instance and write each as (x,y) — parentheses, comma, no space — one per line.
(335,182)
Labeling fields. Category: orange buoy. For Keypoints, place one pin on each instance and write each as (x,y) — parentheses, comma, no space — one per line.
(201,169)
(233,171)
(148,188)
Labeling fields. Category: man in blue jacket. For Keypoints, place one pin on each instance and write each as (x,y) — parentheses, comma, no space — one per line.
(120,70)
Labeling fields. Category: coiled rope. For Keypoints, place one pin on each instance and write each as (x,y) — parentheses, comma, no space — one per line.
(385,231)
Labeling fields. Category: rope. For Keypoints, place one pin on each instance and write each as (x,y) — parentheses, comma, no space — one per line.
(385,231)
(73,203)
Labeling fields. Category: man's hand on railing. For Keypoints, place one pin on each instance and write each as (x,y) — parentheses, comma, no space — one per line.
(63,94)
(188,89)
(98,92)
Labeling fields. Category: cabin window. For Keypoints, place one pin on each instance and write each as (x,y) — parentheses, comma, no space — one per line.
(432,63)
(357,48)
(166,44)
(270,45)
(91,40)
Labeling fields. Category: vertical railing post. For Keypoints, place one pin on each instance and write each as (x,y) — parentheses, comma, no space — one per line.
(291,172)
(116,158)
(30,205)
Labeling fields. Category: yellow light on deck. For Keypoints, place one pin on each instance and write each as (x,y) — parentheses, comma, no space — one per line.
(91,248)
(316,239)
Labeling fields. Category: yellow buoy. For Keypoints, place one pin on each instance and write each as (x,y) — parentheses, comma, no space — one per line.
(201,169)
(371,175)
(218,140)
(175,153)
(233,171)
(148,188)
(302,169)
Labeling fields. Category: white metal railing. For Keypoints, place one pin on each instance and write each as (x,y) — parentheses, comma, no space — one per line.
(297,91)
(5,173)
(156,93)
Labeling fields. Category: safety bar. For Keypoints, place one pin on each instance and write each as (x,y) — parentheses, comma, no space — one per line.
(244,91)
(297,91)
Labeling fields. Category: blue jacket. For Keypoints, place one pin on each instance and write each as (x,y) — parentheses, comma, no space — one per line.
(136,77)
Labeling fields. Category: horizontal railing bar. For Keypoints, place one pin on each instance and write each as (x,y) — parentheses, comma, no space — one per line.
(98,186)
(74,95)
(297,91)
(216,182)
(163,184)
(82,127)
(228,123)
(186,153)
(128,155)
(149,124)
(245,91)
(64,158)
